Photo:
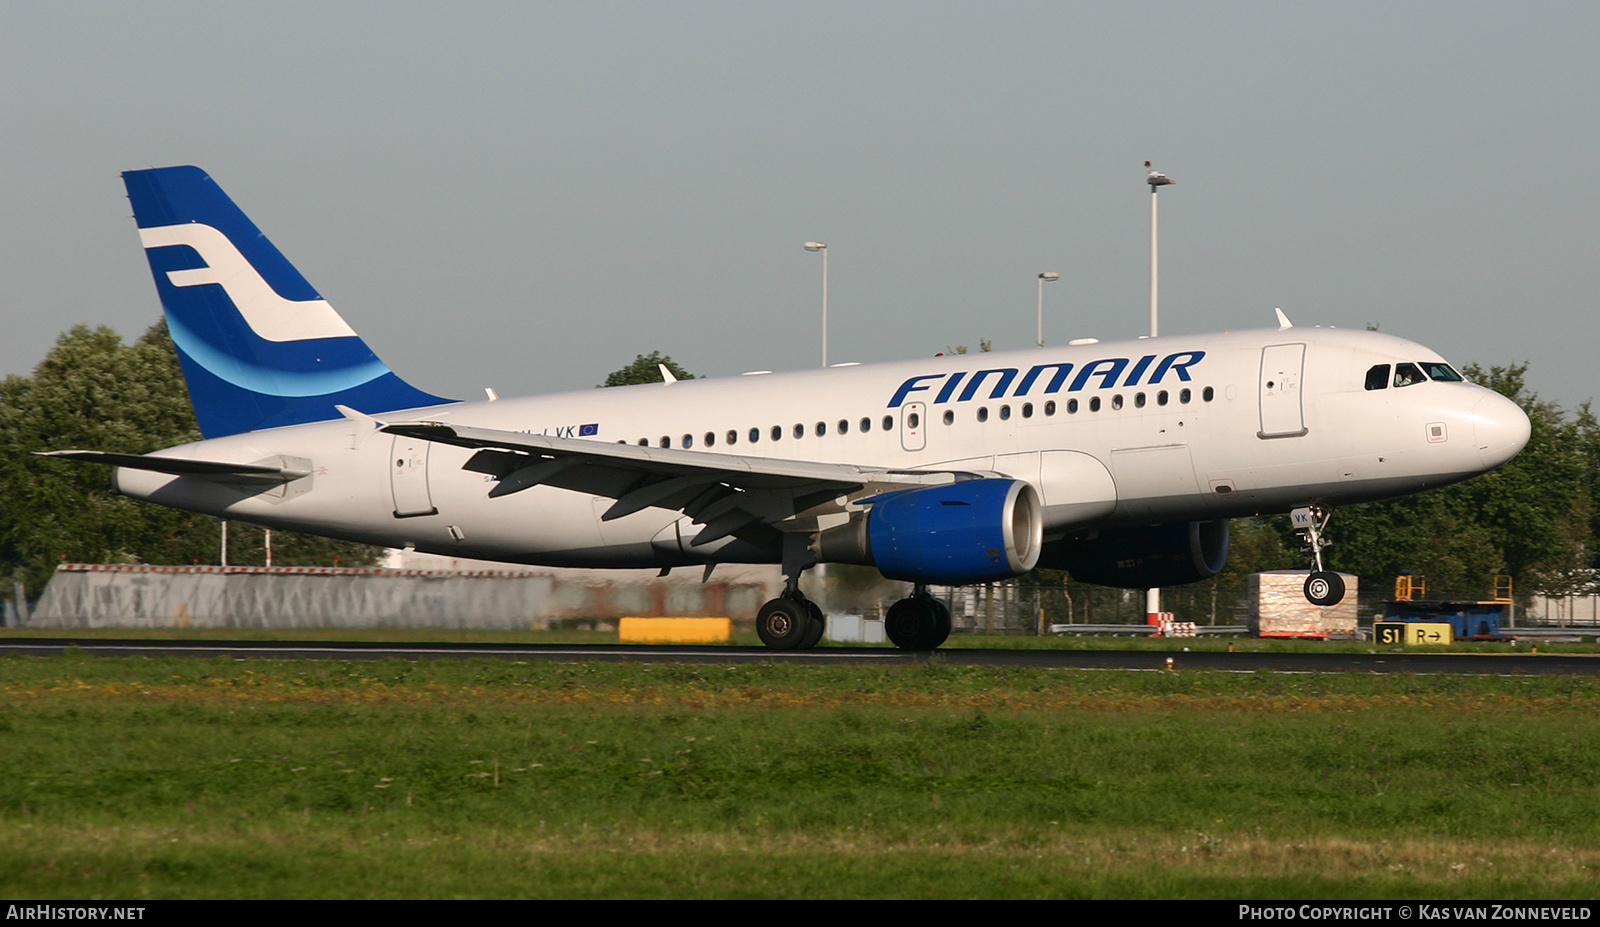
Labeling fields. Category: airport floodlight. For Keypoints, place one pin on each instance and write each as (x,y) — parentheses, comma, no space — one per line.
(1044,278)
(1156,180)
(823,247)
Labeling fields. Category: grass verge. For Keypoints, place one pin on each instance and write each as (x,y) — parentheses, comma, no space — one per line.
(213,778)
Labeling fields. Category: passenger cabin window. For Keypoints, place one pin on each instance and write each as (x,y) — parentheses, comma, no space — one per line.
(1378,377)
(1407,375)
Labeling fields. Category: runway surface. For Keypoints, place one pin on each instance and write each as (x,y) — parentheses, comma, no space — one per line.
(1509,664)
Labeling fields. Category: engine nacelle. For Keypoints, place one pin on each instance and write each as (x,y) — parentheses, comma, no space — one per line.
(1144,558)
(972,531)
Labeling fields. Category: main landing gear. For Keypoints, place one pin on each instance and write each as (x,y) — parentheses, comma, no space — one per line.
(792,621)
(1323,587)
(919,622)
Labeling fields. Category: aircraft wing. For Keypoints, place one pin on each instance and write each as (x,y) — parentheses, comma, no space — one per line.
(726,493)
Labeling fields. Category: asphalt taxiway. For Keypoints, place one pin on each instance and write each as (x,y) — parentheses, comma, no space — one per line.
(1506,664)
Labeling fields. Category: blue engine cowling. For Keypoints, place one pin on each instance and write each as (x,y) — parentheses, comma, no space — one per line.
(1143,558)
(972,531)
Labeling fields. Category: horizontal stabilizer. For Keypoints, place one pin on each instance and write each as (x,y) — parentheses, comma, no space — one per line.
(183,467)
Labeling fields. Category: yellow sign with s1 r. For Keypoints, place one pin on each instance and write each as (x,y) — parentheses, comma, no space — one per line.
(1412,633)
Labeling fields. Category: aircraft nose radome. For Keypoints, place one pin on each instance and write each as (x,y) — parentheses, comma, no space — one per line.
(1501,429)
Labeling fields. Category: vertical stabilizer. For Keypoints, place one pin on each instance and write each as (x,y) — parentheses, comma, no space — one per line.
(259,347)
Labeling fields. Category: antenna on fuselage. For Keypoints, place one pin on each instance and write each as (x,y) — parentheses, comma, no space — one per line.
(1283,321)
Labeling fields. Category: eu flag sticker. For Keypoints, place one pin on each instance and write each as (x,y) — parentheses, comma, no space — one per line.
(585,431)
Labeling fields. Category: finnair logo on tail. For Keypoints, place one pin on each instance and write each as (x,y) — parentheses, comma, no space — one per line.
(268,314)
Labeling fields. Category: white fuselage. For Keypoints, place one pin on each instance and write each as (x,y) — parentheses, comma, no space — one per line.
(1153,431)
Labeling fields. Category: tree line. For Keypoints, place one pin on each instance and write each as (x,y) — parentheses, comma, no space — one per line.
(93,392)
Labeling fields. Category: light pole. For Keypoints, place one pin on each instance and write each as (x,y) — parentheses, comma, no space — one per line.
(1156,180)
(1044,278)
(821,246)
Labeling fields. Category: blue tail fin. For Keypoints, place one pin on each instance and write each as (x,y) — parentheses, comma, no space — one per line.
(259,347)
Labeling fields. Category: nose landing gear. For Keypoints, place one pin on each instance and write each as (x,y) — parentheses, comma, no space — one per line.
(1323,587)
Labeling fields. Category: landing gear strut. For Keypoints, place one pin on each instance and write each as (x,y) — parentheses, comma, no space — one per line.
(792,621)
(920,622)
(1323,587)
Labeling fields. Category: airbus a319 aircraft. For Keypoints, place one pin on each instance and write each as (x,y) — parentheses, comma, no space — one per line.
(1119,462)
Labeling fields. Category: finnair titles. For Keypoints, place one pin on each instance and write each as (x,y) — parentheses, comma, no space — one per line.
(1107,369)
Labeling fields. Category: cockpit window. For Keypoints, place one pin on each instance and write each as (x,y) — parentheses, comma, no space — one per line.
(1407,375)
(1443,373)
(1378,377)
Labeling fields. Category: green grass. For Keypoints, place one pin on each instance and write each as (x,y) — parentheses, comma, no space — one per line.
(130,778)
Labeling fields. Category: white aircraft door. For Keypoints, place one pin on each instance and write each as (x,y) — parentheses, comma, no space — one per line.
(408,477)
(914,426)
(1282,412)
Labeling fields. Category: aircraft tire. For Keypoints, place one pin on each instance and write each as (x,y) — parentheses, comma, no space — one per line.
(815,627)
(917,623)
(783,624)
(1324,588)
(942,622)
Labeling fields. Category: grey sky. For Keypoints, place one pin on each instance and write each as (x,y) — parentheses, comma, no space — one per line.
(525,196)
